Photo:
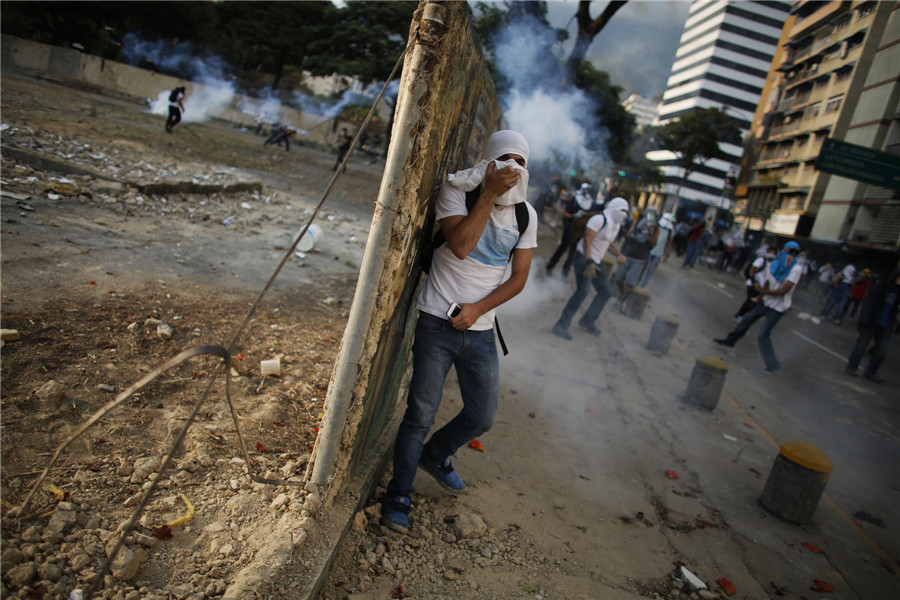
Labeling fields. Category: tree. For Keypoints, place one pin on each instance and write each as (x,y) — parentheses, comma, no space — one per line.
(588,29)
(365,40)
(695,137)
(268,36)
(609,112)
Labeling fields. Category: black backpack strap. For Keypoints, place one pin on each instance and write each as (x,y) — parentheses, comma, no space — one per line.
(500,336)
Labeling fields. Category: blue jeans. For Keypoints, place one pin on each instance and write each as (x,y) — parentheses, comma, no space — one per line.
(652,264)
(882,337)
(694,250)
(631,271)
(764,338)
(836,300)
(437,347)
(583,283)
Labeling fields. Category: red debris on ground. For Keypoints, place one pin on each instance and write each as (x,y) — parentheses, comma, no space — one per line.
(476,445)
(671,474)
(726,585)
(821,586)
(810,547)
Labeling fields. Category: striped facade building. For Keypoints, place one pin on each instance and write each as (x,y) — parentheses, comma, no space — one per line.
(722,61)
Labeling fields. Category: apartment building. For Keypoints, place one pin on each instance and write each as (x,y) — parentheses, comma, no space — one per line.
(722,61)
(837,77)
(643,109)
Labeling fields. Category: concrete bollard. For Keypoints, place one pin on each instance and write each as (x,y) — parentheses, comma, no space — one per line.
(707,381)
(661,334)
(797,481)
(635,303)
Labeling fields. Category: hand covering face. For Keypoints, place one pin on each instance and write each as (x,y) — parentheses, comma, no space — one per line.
(498,144)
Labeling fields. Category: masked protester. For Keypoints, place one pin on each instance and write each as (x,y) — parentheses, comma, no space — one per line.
(876,321)
(466,282)
(601,230)
(756,277)
(782,276)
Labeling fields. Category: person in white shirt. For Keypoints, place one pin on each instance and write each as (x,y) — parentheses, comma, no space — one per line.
(755,282)
(782,276)
(466,282)
(599,234)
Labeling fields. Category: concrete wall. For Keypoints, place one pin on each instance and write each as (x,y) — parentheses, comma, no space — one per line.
(446,109)
(71,65)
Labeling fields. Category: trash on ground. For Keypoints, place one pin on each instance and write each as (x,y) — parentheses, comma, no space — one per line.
(730,438)
(810,547)
(821,586)
(692,579)
(726,585)
(671,474)
(476,445)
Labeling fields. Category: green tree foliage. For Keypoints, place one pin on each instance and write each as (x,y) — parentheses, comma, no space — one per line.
(610,112)
(695,137)
(267,36)
(365,39)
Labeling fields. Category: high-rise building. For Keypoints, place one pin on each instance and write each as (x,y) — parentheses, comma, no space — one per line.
(643,110)
(837,78)
(722,61)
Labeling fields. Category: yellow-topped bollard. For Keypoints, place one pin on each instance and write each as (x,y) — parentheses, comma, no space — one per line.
(706,383)
(797,481)
(661,334)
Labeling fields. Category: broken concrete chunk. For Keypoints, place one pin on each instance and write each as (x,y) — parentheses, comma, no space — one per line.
(165,331)
(10,335)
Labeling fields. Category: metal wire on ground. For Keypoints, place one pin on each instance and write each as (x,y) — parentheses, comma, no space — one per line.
(223,353)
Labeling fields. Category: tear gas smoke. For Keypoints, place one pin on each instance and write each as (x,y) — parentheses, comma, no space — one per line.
(183,60)
(557,119)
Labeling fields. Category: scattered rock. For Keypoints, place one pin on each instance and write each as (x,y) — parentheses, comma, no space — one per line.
(469,526)
(165,331)
(21,575)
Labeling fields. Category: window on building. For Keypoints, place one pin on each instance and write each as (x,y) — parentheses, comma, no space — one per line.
(822,81)
(813,110)
(834,104)
(842,23)
(865,10)
(843,74)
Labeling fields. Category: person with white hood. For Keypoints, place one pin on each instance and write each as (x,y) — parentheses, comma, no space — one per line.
(466,282)
(580,204)
(660,252)
(601,230)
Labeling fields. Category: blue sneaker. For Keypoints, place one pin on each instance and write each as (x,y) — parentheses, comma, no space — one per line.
(443,474)
(395,513)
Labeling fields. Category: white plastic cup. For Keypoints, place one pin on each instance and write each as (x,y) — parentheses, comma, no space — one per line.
(270,367)
(310,238)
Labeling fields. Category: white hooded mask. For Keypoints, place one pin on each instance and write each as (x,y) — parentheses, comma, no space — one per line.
(498,144)
(617,210)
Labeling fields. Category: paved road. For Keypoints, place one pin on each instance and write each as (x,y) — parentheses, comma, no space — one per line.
(611,416)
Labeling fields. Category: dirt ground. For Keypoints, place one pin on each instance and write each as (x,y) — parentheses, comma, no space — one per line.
(92,272)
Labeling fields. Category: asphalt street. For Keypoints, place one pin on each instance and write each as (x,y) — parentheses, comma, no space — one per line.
(611,424)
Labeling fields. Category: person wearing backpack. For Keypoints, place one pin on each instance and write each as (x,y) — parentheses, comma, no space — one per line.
(661,250)
(579,205)
(176,106)
(600,232)
(755,274)
(456,328)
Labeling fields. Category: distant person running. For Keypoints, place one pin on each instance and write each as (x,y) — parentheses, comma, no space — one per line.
(176,105)
(279,135)
(344,141)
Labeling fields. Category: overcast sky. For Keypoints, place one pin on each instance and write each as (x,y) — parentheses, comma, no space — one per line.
(637,46)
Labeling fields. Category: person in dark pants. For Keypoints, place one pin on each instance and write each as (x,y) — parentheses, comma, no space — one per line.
(176,106)
(456,327)
(279,135)
(877,316)
(782,276)
(579,204)
(344,142)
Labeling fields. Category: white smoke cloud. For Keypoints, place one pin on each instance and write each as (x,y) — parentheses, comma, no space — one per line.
(556,119)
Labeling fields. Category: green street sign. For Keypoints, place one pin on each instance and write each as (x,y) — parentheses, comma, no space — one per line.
(859,163)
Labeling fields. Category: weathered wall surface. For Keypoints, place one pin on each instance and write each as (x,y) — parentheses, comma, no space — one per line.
(446,109)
